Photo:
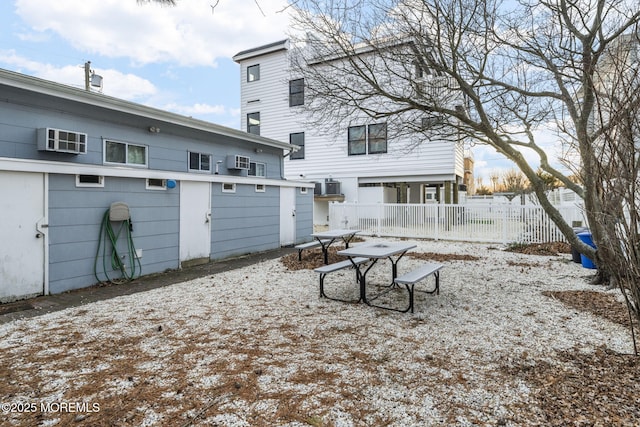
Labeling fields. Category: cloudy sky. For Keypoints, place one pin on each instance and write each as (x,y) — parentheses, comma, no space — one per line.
(174,58)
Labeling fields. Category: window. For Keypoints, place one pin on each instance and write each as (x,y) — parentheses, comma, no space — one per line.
(156,184)
(257,169)
(297,139)
(89,181)
(228,187)
(357,140)
(253,123)
(371,139)
(296,92)
(253,73)
(125,153)
(62,141)
(199,162)
(377,138)
(261,188)
(432,122)
(304,190)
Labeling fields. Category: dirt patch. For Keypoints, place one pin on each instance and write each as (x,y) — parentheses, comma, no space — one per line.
(605,305)
(595,389)
(432,256)
(312,258)
(549,249)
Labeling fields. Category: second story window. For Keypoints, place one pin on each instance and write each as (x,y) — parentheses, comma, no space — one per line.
(199,162)
(296,92)
(357,140)
(257,169)
(297,139)
(377,138)
(125,153)
(253,123)
(371,139)
(253,73)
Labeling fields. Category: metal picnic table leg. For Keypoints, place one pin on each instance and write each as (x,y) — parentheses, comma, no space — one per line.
(348,239)
(394,267)
(363,279)
(325,249)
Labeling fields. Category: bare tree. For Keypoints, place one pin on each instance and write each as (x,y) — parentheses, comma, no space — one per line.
(492,72)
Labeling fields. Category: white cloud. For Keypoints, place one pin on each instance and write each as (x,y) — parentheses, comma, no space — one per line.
(116,83)
(197,109)
(192,33)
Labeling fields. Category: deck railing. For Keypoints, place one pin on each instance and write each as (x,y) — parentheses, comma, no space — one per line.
(481,223)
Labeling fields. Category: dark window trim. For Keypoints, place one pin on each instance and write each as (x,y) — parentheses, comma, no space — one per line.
(296,92)
(297,155)
(249,74)
(254,129)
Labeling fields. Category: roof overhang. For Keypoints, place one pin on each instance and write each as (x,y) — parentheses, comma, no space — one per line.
(261,50)
(34,84)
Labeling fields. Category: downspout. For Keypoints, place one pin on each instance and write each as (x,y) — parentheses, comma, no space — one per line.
(293,150)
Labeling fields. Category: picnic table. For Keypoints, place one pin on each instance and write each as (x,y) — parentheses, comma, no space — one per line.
(326,239)
(393,251)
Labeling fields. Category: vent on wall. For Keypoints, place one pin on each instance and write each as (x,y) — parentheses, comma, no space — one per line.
(238,162)
(62,141)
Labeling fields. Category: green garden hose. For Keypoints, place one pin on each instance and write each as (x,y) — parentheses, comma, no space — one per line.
(108,235)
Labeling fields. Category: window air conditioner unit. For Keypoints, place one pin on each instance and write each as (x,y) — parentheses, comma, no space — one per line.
(238,162)
(318,189)
(62,141)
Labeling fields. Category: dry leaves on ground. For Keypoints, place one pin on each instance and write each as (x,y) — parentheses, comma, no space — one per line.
(256,346)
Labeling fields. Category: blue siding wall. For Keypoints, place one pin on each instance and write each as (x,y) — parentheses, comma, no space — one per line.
(242,222)
(75,216)
(245,221)
(166,151)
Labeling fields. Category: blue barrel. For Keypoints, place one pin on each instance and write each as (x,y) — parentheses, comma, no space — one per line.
(586,237)
(575,253)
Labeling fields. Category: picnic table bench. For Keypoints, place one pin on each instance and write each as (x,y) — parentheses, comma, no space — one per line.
(330,268)
(309,245)
(411,278)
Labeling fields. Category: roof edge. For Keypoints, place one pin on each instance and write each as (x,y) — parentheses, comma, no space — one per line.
(261,50)
(47,87)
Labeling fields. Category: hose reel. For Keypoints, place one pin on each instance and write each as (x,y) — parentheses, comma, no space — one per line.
(116,224)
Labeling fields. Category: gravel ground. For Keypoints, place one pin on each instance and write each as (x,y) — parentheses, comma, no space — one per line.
(500,345)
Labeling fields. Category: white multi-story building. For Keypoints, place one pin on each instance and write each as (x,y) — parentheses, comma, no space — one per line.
(355,164)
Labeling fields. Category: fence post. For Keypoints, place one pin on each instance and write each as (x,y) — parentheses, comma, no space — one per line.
(504,225)
(437,220)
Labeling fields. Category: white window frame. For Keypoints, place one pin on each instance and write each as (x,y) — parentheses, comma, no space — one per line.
(154,187)
(304,190)
(261,188)
(264,169)
(228,187)
(127,145)
(99,184)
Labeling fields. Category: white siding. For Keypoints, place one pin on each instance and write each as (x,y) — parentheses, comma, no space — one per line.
(326,156)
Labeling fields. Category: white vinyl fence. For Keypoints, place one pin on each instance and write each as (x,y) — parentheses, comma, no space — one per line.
(481,223)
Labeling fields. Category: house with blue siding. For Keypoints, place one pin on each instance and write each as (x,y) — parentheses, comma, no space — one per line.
(183,191)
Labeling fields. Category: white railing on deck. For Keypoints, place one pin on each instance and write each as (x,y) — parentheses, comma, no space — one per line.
(498,223)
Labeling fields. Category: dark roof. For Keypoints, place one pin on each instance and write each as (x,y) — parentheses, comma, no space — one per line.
(281,44)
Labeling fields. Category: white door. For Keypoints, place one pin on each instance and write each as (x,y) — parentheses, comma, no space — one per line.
(287,216)
(195,221)
(22,235)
